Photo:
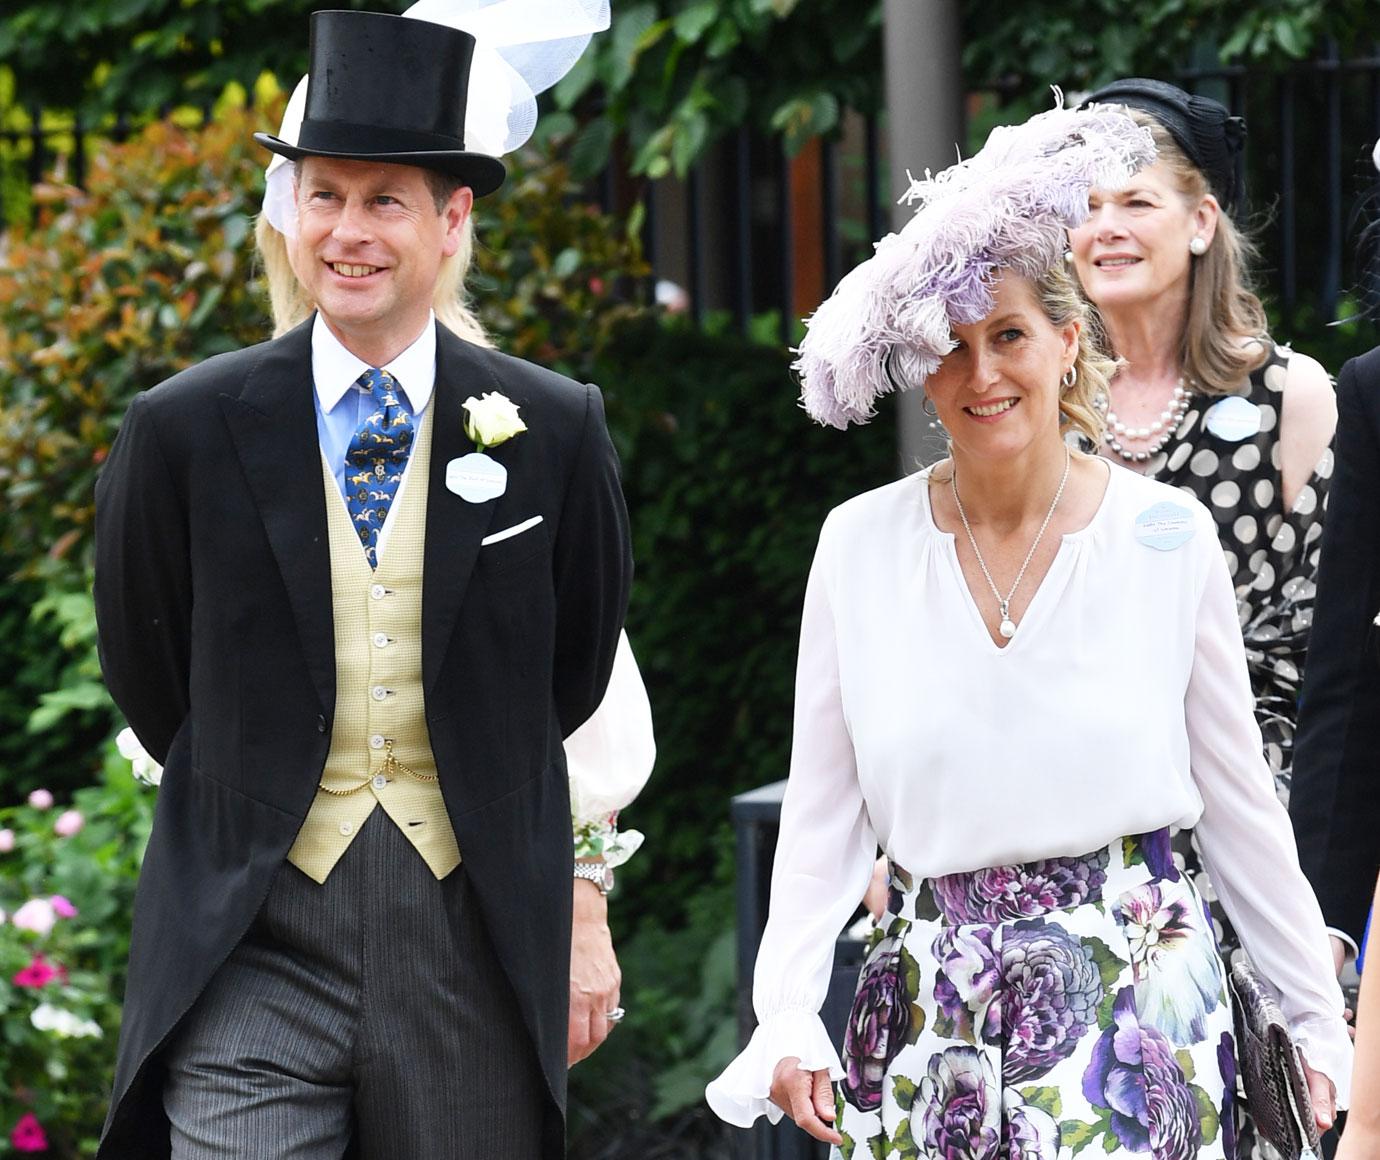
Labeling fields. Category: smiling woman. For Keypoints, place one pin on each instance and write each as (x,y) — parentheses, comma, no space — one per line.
(977,644)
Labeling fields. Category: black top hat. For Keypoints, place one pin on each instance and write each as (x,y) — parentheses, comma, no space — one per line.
(1204,129)
(389,88)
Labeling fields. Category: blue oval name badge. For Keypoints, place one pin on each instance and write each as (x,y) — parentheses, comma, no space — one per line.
(1233,419)
(1165,526)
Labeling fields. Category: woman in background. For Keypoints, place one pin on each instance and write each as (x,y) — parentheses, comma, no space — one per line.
(1205,399)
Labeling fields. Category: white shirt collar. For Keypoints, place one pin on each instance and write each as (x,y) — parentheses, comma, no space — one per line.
(334,369)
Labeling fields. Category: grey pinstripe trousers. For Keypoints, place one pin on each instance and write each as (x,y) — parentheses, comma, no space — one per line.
(372,1006)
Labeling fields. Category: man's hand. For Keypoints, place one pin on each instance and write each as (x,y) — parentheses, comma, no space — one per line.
(594,975)
(807,1097)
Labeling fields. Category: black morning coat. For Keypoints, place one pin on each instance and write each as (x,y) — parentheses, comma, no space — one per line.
(1334,800)
(213,599)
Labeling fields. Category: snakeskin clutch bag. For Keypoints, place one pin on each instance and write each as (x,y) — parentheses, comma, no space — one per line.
(1271,1067)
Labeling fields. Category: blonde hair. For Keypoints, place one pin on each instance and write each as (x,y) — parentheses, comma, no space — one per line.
(290,305)
(1057,291)
(1222,308)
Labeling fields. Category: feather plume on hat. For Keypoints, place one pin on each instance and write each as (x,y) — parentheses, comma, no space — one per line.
(1008,207)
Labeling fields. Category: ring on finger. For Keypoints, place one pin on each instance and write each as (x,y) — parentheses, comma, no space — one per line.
(616,1015)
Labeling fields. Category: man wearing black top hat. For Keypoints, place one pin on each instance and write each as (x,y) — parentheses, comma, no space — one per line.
(354,587)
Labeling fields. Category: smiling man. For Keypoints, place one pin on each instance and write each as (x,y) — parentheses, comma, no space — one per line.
(354,587)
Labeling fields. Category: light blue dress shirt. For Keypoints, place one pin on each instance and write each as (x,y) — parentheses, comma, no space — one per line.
(341,406)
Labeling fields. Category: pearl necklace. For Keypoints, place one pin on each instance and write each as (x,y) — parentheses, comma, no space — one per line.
(1007,628)
(1168,422)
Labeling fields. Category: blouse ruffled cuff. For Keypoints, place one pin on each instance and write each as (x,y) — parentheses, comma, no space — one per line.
(740,1094)
(1325,1044)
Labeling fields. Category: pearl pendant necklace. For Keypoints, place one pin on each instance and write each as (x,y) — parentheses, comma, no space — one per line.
(1168,422)
(1007,628)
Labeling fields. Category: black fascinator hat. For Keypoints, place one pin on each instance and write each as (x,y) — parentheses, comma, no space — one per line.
(389,88)
(1204,129)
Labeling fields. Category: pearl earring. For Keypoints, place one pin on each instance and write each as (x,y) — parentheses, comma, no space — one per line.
(1197,247)
(1068,257)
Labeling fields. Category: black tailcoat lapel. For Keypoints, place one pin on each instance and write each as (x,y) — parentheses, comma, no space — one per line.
(454,526)
(273,423)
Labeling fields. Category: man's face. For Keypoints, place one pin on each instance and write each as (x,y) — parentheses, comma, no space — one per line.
(369,247)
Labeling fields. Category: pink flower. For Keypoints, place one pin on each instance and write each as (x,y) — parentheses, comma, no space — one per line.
(62,908)
(41,799)
(39,973)
(28,1135)
(69,822)
(6,841)
(37,915)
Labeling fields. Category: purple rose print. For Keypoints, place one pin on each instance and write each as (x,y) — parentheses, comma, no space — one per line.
(1226,1064)
(1002,893)
(1028,1133)
(1133,1073)
(1052,989)
(877,1026)
(960,1106)
(966,983)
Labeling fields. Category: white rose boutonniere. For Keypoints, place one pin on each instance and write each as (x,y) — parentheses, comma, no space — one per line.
(492,420)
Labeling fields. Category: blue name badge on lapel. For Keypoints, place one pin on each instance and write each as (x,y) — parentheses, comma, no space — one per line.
(1165,526)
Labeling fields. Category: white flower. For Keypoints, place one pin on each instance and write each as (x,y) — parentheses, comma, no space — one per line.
(37,915)
(145,769)
(64,1024)
(492,420)
(41,799)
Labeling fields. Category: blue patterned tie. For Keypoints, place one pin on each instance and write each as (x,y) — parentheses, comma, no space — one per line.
(376,458)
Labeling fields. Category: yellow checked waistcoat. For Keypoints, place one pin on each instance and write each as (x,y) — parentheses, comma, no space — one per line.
(380,749)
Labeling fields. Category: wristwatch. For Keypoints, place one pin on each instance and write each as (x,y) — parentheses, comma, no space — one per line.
(600,873)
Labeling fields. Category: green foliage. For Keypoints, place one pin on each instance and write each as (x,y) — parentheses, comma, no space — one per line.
(60,1077)
(1023,48)
(553,276)
(675,75)
(36,664)
(114,290)
(140,56)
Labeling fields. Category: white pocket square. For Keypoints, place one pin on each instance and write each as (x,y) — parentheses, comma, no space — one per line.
(509,533)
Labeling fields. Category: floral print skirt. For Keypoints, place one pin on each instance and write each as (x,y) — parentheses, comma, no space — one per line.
(1038,1011)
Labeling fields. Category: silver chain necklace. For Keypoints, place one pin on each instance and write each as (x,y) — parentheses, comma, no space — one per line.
(1007,628)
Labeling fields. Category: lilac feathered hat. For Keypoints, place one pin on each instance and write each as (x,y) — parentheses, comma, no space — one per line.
(1008,207)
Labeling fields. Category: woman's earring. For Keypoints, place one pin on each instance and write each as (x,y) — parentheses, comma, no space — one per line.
(1197,247)
(927,405)
(1070,377)
(1068,257)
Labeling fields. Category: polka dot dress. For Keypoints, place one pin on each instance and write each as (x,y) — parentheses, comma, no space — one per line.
(1272,554)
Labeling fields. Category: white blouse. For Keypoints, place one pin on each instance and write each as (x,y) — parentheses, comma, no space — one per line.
(1121,705)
